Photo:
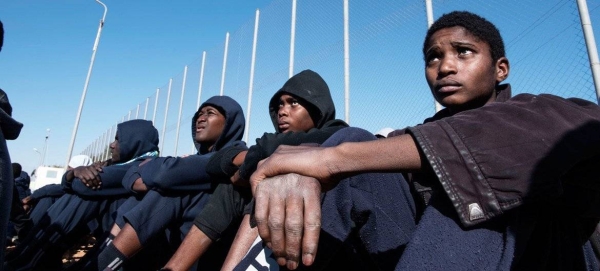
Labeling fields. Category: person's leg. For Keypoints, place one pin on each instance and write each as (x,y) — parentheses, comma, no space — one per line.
(40,208)
(64,223)
(19,218)
(217,223)
(6,186)
(144,221)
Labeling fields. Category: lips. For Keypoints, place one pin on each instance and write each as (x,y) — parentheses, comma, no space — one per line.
(447,87)
(283,126)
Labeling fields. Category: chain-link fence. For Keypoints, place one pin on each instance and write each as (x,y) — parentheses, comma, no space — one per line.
(387,88)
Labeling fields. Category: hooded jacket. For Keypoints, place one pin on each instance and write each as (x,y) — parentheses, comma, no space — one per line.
(136,138)
(176,174)
(309,87)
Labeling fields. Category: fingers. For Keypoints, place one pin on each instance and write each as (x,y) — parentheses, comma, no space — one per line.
(275,223)
(312,224)
(261,209)
(288,214)
(294,211)
(90,176)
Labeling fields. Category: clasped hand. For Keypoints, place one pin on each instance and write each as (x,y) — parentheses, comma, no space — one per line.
(287,190)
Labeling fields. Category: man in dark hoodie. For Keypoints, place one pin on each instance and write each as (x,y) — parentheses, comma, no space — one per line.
(507,184)
(66,220)
(302,111)
(10,130)
(176,188)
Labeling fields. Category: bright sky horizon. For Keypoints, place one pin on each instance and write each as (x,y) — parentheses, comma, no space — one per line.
(48,46)
(47,52)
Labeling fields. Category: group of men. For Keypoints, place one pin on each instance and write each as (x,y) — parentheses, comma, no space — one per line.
(491,182)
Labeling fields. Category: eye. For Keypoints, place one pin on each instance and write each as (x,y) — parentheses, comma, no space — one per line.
(294,102)
(464,51)
(431,58)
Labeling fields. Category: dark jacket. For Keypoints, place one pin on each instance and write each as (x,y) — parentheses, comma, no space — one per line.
(10,130)
(137,139)
(536,152)
(311,89)
(22,183)
(176,174)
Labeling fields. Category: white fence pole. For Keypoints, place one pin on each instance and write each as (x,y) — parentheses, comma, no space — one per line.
(180,109)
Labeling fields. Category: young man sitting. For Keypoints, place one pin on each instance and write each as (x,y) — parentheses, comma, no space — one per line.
(504,184)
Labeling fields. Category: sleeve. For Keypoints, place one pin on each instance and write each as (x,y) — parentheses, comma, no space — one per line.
(50,190)
(220,166)
(268,143)
(111,177)
(223,210)
(67,186)
(132,174)
(176,174)
(489,160)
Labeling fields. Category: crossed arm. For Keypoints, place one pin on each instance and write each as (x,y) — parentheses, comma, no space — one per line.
(288,210)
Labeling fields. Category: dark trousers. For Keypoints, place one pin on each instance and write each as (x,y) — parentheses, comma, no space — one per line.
(41,207)
(18,217)
(65,222)
(6,187)
(157,212)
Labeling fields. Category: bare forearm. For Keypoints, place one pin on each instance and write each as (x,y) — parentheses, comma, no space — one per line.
(398,153)
(241,244)
(190,250)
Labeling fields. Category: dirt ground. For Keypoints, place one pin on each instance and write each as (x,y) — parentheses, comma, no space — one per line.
(73,255)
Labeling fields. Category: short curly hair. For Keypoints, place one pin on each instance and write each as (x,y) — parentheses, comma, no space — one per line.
(475,24)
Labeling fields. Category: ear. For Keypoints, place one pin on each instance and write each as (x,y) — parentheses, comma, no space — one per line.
(502,69)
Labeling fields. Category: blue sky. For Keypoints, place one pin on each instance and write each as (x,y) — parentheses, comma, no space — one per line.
(48,45)
(47,51)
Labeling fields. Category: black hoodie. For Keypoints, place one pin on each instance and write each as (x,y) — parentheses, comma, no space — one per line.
(310,88)
(177,174)
(136,139)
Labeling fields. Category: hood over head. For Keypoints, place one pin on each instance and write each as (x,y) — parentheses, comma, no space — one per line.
(234,122)
(309,87)
(136,137)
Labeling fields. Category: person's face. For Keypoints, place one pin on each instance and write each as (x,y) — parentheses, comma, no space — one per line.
(115,151)
(292,116)
(460,71)
(209,126)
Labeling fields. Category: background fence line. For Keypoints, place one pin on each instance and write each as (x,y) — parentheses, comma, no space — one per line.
(375,45)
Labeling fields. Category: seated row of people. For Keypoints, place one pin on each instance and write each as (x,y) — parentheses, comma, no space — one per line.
(491,182)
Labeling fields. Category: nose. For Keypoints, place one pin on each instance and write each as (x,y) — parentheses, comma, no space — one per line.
(283,111)
(112,145)
(447,66)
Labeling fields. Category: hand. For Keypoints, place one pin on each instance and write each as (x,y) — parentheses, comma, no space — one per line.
(288,215)
(26,203)
(89,175)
